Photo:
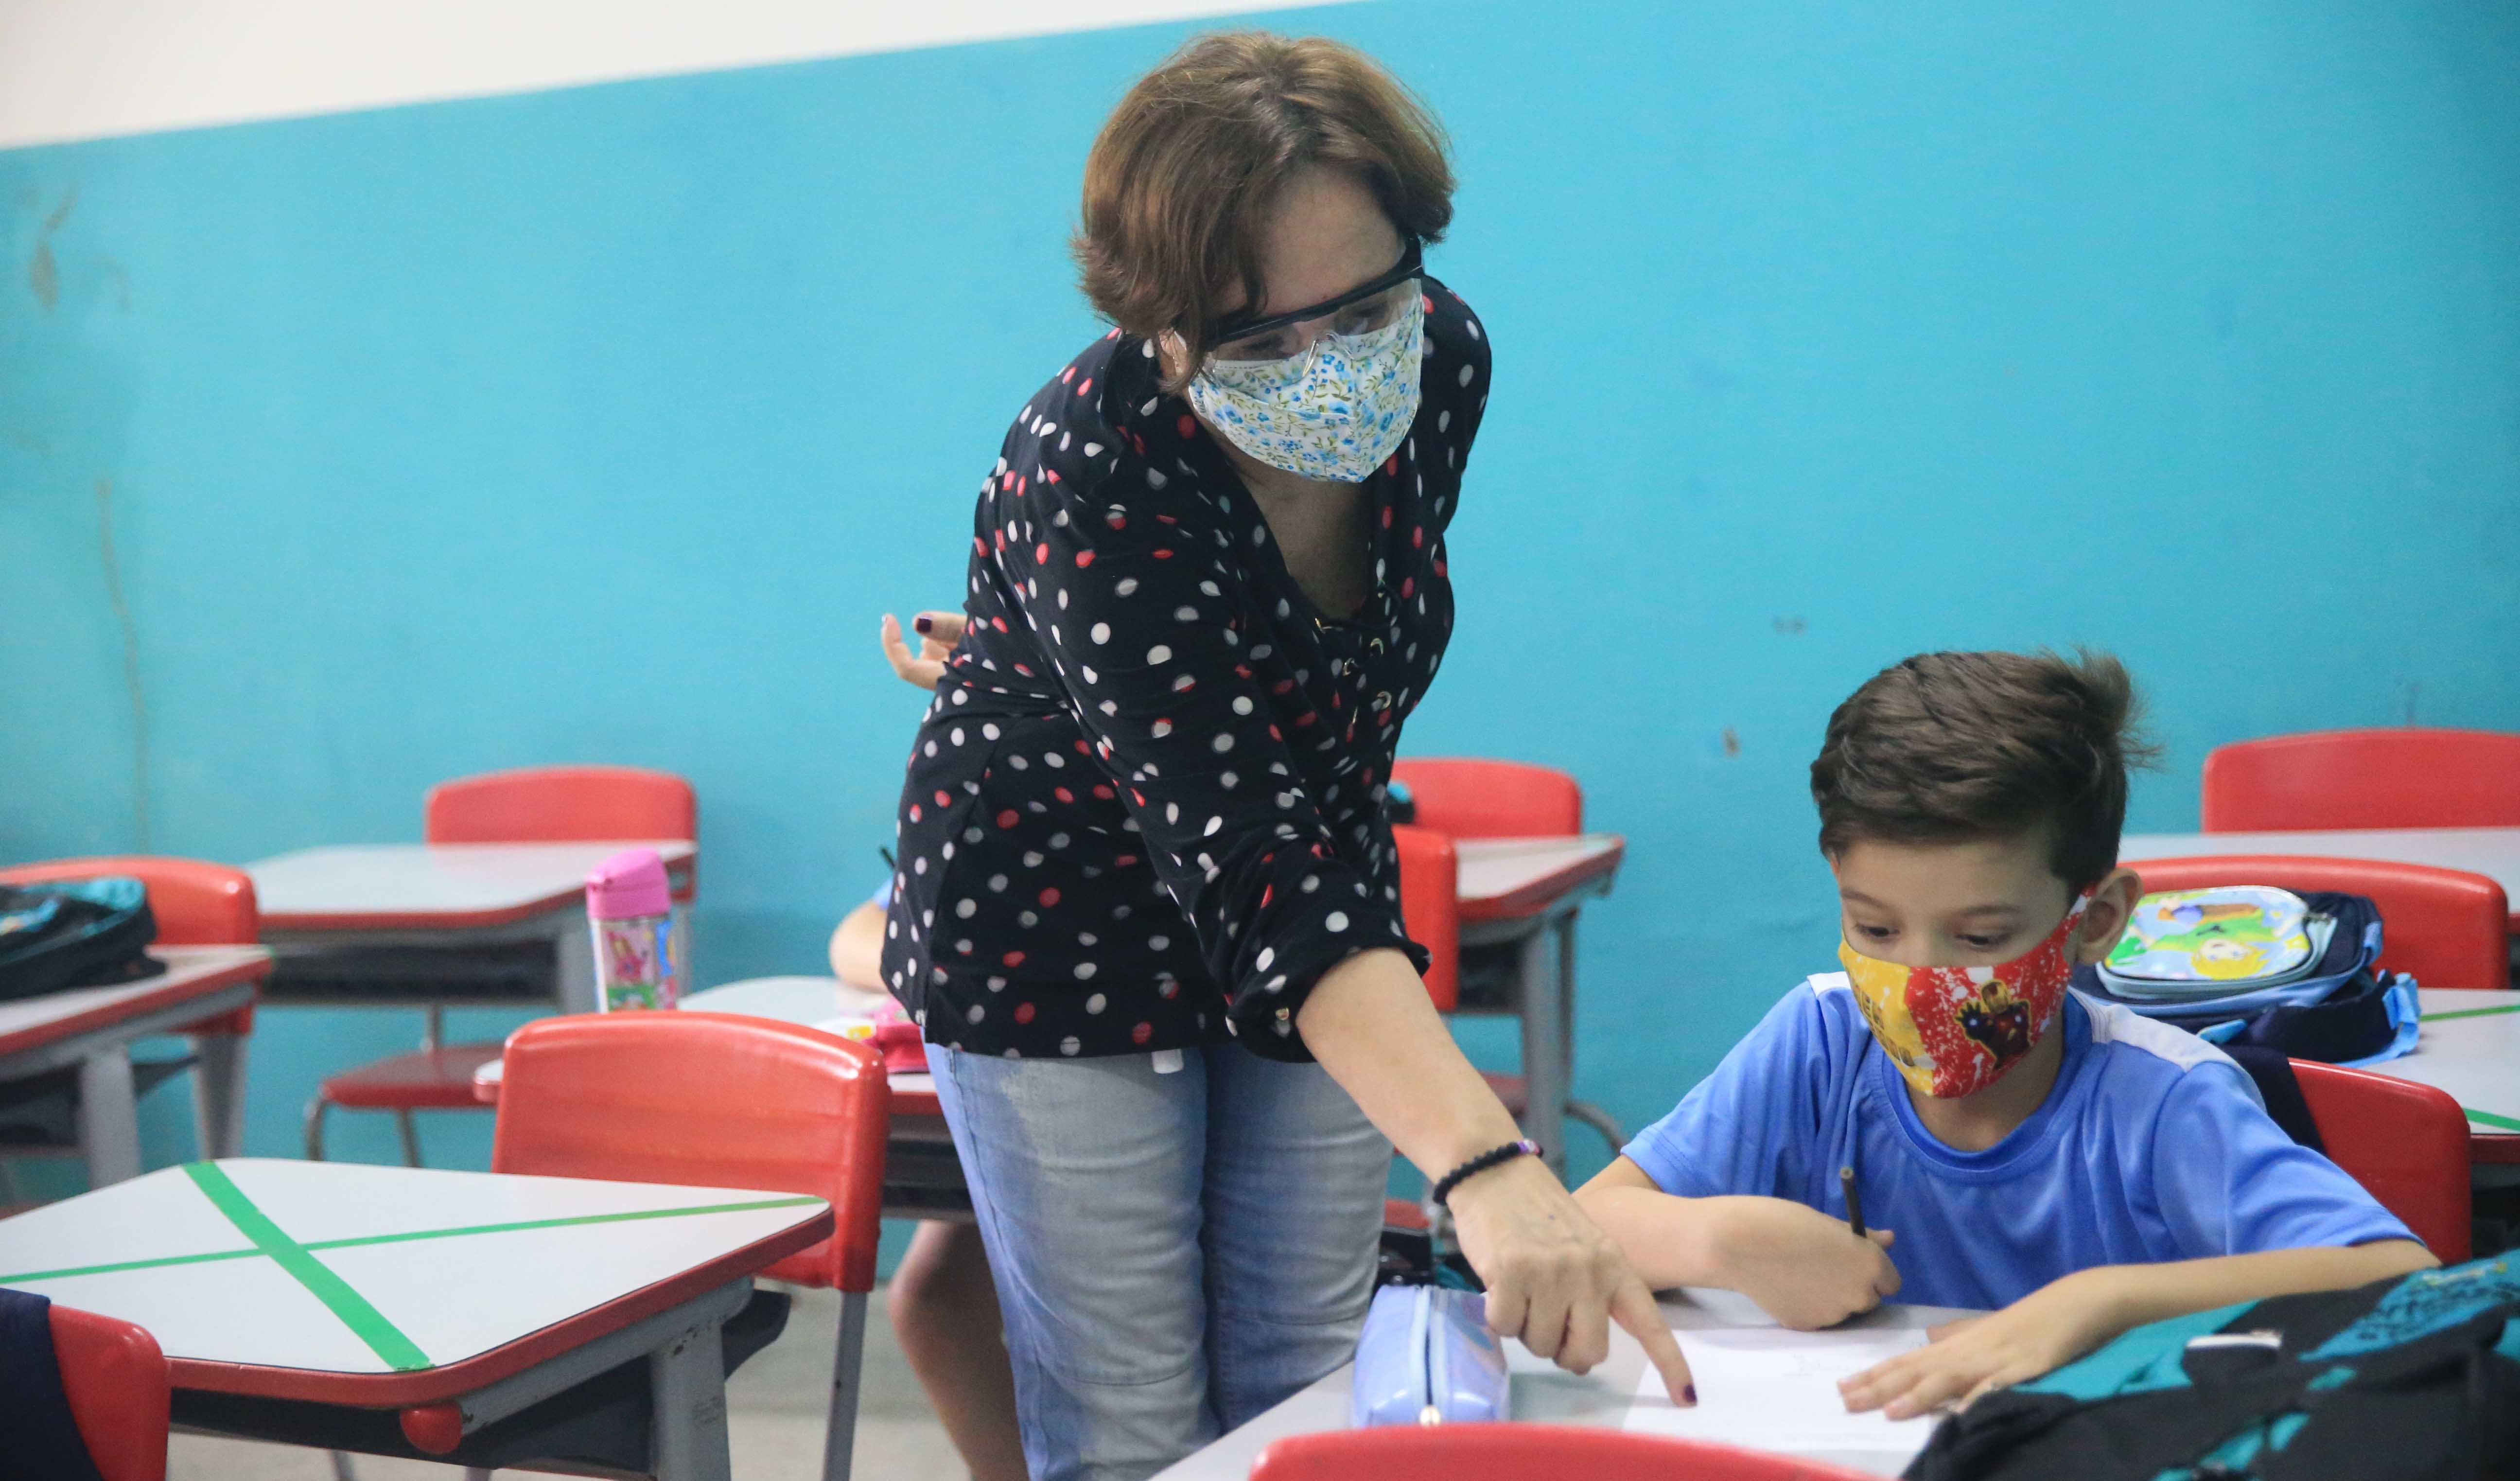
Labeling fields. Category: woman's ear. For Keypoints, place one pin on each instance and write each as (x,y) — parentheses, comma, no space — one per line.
(2106,917)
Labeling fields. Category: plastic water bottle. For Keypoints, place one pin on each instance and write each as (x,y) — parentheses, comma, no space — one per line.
(637,954)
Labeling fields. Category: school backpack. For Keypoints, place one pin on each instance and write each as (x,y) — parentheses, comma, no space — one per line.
(2254,965)
(2408,1378)
(73,933)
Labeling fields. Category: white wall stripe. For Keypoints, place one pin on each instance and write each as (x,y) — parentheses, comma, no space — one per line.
(95,68)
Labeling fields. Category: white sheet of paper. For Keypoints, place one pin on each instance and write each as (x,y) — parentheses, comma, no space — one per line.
(1768,1388)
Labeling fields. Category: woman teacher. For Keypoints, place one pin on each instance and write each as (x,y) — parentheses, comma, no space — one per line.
(1148,906)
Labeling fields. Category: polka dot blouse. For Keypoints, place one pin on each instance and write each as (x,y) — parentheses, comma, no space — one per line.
(1144,811)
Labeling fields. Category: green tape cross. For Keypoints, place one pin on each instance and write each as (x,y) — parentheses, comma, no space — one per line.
(382,1336)
(355,1240)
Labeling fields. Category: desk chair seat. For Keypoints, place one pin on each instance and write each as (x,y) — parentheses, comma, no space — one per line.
(2406,1143)
(1523,1453)
(2396,776)
(114,1376)
(540,804)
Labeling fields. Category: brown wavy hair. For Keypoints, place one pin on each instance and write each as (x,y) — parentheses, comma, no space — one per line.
(1954,747)
(1180,182)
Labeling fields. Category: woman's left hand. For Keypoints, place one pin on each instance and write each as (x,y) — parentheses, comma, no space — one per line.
(938,632)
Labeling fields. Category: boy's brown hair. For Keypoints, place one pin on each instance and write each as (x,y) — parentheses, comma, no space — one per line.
(1181,179)
(1950,747)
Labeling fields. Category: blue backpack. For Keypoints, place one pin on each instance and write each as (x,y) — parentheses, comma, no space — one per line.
(2417,1376)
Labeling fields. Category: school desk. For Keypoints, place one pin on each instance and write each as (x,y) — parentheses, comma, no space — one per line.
(291,1294)
(2470,1047)
(1520,898)
(2493,852)
(1600,1398)
(205,992)
(922,1178)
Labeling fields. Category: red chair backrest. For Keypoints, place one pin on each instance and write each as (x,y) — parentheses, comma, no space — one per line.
(2406,1143)
(2447,927)
(116,1379)
(1471,798)
(1430,907)
(561,804)
(2398,778)
(194,902)
(1522,1452)
(707,1100)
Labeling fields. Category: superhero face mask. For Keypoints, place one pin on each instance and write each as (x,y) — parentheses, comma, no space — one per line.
(1956,1029)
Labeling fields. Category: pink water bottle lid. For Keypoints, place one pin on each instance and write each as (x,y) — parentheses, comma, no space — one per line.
(629,884)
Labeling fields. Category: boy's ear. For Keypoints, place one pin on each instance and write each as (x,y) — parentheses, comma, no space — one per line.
(2105,919)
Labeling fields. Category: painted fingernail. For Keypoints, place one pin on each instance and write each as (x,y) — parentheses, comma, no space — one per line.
(1688,1393)
(924,623)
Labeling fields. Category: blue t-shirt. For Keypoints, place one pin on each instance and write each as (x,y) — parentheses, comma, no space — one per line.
(2153,1145)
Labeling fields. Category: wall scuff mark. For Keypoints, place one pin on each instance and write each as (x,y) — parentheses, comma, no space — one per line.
(130,665)
(43,275)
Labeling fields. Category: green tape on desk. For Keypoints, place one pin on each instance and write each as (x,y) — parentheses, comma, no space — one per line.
(2472,1013)
(382,1336)
(2488,1118)
(355,1240)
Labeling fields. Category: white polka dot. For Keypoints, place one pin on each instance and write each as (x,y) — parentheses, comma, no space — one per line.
(1184,615)
(1310,882)
(1213,824)
(957,734)
(1095,1003)
(1084,971)
(1101,632)
(989,731)
(998,882)
(1221,744)
(1161,728)
(1128,586)
(966,908)
(1159,654)
(1069,1045)
(1242,704)
(1268,953)
(1465,374)
(1158,943)
(977,1014)
(1335,921)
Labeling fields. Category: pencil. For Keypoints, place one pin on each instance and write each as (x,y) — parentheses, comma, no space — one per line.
(1853,1202)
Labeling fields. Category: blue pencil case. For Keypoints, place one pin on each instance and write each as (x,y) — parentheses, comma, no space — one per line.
(1428,1358)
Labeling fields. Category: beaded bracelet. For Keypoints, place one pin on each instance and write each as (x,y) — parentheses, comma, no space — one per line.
(1494,1156)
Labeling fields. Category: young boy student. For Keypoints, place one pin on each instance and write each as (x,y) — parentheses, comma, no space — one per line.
(2075,1168)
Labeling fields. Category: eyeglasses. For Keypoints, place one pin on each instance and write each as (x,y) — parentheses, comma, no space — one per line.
(1360,310)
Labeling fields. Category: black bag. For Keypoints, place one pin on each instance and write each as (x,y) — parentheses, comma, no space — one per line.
(74,933)
(2408,1378)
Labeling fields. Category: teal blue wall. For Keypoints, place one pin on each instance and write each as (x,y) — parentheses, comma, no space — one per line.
(603,424)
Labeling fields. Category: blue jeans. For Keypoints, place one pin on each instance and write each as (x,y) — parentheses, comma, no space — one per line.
(1174,1253)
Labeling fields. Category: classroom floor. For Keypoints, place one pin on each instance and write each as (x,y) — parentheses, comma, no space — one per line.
(775,1412)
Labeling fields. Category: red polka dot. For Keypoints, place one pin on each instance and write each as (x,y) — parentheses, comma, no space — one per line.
(1103,792)
(1189,424)
(1124,861)
(1049,896)
(1007,819)
(1023,1012)
(1012,958)
(1116,520)
(1386,516)
(914,812)
(1408,586)
(1164,554)
(1040,552)
(1308,717)
(1085,385)
(943,797)
(1084,557)
(1418,537)
(1063,794)
(1141,1033)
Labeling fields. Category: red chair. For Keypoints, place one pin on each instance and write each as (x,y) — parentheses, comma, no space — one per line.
(2350,778)
(1523,1453)
(716,1101)
(195,903)
(2447,927)
(540,804)
(116,1379)
(2406,1143)
(1467,798)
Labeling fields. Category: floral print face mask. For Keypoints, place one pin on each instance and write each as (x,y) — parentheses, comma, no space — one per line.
(1956,1029)
(1333,412)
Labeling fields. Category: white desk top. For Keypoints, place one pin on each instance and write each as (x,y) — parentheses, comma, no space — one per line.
(192,972)
(432,886)
(417,1284)
(2493,852)
(1516,876)
(1542,1393)
(2469,1046)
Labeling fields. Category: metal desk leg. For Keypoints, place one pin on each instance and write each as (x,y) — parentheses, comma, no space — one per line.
(687,1378)
(218,1092)
(573,956)
(109,1118)
(840,1434)
(1544,1046)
